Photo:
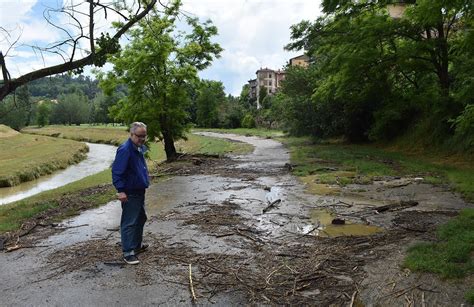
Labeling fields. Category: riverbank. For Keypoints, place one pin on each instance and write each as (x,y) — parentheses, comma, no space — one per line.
(26,157)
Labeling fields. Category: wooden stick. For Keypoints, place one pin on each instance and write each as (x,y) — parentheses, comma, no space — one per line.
(191,284)
(353,298)
(272,204)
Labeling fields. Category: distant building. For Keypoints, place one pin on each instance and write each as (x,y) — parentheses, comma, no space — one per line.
(301,60)
(253,88)
(271,79)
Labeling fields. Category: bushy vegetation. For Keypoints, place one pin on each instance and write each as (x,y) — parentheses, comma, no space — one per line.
(373,78)
(58,100)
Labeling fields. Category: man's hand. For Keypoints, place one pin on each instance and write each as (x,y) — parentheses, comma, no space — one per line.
(122,197)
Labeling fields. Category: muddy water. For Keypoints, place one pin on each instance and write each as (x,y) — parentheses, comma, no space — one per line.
(325,228)
(98,159)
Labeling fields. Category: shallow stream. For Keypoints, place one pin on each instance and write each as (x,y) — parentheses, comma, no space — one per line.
(98,159)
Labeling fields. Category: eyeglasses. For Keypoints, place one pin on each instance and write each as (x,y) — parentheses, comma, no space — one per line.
(140,136)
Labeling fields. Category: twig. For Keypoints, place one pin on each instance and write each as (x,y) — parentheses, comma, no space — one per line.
(353,298)
(17,247)
(224,235)
(400,292)
(272,204)
(314,228)
(191,284)
(423,299)
(68,227)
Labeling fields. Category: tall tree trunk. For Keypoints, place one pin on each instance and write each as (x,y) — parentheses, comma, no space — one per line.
(169,146)
(443,72)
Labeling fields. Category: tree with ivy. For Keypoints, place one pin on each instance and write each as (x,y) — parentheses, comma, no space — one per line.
(159,67)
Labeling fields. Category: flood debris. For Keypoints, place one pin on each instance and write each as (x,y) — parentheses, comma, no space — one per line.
(396,206)
(28,233)
(213,248)
(271,205)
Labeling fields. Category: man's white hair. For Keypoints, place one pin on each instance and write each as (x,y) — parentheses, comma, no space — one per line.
(135,125)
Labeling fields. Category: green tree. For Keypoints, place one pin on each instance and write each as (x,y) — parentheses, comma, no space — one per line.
(231,113)
(71,109)
(377,75)
(16,111)
(210,96)
(158,67)
(43,114)
(102,104)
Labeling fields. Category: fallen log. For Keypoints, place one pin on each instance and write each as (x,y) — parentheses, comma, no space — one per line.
(397,206)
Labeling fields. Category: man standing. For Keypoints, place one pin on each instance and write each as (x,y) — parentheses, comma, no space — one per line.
(130,178)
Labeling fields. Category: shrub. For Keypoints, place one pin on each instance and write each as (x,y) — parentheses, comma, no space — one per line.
(248,121)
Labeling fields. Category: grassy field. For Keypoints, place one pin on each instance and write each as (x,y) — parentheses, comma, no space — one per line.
(93,134)
(25,157)
(13,215)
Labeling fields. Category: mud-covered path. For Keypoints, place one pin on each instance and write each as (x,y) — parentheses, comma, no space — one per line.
(251,235)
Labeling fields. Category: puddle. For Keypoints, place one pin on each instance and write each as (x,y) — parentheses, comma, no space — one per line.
(327,229)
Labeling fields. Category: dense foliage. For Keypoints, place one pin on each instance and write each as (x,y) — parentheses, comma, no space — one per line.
(60,99)
(374,77)
(159,68)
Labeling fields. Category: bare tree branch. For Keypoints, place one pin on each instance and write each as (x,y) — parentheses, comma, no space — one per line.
(9,85)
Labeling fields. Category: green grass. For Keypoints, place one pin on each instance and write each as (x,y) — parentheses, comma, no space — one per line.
(94,134)
(364,163)
(26,157)
(470,296)
(452,256)
(117,134)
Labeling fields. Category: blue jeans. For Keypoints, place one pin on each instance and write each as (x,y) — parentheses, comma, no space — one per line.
(132,222)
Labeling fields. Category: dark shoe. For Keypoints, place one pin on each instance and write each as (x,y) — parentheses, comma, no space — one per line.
(132,259)
(142,249)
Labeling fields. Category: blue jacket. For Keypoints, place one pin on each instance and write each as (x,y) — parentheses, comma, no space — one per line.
(129,170)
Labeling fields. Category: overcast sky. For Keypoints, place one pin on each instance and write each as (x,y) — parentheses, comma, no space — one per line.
(252,33)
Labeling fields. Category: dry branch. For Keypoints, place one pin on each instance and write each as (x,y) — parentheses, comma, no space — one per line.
(193,295)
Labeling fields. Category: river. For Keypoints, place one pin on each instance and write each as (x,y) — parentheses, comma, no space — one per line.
(98,159)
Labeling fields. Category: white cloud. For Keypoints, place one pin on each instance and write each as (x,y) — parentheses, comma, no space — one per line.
(13,12)
(253,34)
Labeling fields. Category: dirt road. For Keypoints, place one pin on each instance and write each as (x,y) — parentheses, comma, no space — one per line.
(244,231)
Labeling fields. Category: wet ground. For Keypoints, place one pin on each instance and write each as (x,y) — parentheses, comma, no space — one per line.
(244,231)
